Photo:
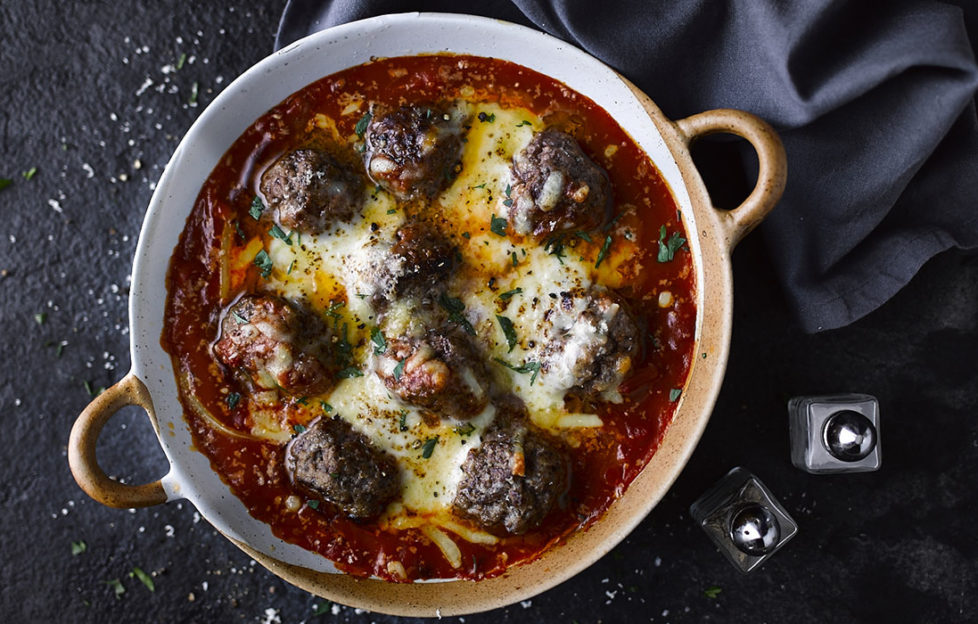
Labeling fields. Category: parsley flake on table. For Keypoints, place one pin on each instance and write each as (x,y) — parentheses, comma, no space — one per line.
(668,248)
(194,91)
(143,578)
(712,592)
(497,225)
(40,317)
(78,547)
(117,588)
(181,61)
(5,182)
(264,263)
(29,173)
(508,331)
(321,609)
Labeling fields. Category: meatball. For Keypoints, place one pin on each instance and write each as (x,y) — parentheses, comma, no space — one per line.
(513,479)
(339,464)
(274,345)
(557,187)
(414,151)
(592,345)
(417,262)
(439,373)
(309,190)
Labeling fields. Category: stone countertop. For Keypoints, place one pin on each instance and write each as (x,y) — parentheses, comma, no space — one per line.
(96,96)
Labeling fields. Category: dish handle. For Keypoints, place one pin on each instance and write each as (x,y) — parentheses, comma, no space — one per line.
(772,165)
(81,448)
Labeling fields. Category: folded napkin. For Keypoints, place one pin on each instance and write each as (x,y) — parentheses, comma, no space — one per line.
(875,103)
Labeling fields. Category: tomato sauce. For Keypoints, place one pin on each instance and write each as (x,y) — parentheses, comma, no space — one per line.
(602,467)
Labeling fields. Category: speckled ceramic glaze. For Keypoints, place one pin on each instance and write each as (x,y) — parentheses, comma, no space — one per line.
(151,383)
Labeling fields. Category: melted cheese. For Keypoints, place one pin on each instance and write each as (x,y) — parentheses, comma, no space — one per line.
(328,268)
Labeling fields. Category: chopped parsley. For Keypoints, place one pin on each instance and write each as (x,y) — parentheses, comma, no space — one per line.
(181,60)
(466,235)
(361,127)
(465,430)
(78,547)
(233,399)
(455,307)
(313,504)
(497,225)
(256,208)
(117,588)
(349,371)
(264,263)
(506,296)
(515,261)
(391,210)
(508,202)
(298,428)
(326,406)
(237,229)
(429,447)
(479,186)
(604,251)
(303,400)
(611,223)
(712,592)
(555,247)
(291,266)
(277,232)
(528,367)
(321,609)
(491,117)
(144,579)
(332,313)
(523,123)
(399,370)
(380,343)
(40,317)
(194,89)
(5,182)
(343,351)
(508,331)
(583,235)
(29,173)
(240,320)
(674,395)
(668,248)
(402,423)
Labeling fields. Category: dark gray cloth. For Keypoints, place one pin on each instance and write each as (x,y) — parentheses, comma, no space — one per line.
(875,103)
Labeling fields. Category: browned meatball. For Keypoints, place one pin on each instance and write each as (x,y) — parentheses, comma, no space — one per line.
(341,465)
(418,261)
(592,345)
(439,373)
(309,190)
(557,187)
(514,478)
(414,151)
(274,345)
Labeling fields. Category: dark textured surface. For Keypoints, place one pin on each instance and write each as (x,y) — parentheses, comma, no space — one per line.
(896,545)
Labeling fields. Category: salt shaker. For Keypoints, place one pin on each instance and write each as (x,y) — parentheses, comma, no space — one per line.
(836,433)
(744,520)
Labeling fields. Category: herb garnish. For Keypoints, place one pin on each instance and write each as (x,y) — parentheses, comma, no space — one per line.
(674,395)
(402,423)
(237,229)
(257,207)
(377,337)
(455,307)
(497,225)
(5,182)
(528,367)
(181,61)
(264,263)
(144,578)
(313,504)
(29,173)
(326,406)
(429,447)
(117,588)
(583,235)
(523,123)
(78,547)
(487,118)
(193,92)
(712,592)
(667,249)
(515,261)
(508,202)
(604,251)
(555,247)
(298,428)
(40,317)
(361,126)
(321,609)
(240,320)
(465,430)
(233,399)
(479,186)
(277,232)
(506,296)
(349,371)
(399,369)
(291,266)
(508,331)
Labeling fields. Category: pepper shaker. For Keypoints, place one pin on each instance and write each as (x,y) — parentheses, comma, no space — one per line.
(835,433)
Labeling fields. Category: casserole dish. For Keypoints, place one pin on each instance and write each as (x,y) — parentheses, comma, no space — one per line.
(151,383)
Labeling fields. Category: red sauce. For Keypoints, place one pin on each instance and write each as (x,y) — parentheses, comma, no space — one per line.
(607,461)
